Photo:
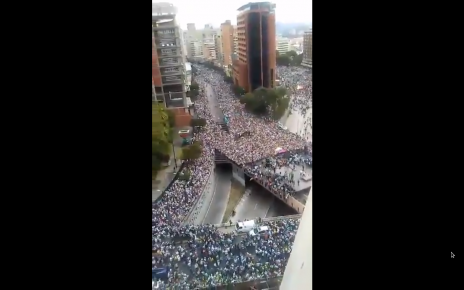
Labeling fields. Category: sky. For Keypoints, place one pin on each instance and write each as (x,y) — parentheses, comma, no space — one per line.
(215,12)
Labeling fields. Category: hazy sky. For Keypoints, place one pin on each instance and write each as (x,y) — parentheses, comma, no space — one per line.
(202,12)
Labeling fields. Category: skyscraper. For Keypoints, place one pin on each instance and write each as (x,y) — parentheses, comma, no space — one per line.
(227,39)
(307,49)
(255,66)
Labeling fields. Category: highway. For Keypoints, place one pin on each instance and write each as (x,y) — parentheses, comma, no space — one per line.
(255,203)
(216,208)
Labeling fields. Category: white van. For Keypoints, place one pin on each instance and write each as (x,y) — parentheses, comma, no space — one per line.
(259,231)
(244,227)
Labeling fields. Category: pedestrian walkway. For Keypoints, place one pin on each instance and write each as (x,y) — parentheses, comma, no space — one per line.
(167,174)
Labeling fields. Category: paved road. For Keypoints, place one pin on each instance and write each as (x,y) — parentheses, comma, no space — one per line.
(213,105)
(217,207)
(255,203)
(278,208)
(295,123)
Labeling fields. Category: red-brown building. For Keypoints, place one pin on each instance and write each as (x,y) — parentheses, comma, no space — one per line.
(256,63)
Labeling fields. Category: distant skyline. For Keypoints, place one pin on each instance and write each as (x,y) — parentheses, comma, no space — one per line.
(203,12)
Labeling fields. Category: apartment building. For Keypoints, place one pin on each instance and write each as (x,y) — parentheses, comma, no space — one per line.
(256,51)
(235,40)
(307,49)
(283,45)
(227,38)
(168,71)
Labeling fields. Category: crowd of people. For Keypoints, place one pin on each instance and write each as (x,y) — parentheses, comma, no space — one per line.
(268,173)
(298,82)
(260,136)
(202,256)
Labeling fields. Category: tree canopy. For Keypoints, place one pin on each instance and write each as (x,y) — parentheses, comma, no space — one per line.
(192,151)
(194,91)
(289,58)
(161,136)
(262,101)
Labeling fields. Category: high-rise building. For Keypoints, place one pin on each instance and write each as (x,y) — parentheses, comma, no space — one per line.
(168,70)
(235,40)
(283,45)
(308,49)
(255,66)
(227,42)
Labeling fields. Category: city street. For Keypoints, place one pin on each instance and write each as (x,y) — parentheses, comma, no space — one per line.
(217,207)
(255,203)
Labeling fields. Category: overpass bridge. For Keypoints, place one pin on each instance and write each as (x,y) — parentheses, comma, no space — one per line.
(243,177)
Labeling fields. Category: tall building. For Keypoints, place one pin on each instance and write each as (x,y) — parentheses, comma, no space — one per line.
(255,66)
(235,40)
(283,45)
(168,70)
(227,43)
(308,49)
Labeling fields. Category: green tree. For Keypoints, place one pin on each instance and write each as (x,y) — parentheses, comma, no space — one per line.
(194,86)
(228,79)
(185,174)
(160,137)
(291,53)
(297,59)
(191,152)
(283,60)
(263,100)
(238,90)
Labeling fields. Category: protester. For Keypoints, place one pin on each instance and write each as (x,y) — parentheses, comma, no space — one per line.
(202,256)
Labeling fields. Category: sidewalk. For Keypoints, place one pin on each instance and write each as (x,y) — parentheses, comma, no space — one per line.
(166,174)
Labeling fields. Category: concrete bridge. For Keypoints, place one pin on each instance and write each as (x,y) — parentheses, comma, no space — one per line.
(243,177)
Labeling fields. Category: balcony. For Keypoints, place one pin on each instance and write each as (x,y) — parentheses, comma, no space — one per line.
(171,71)
(169,52)
(166,34)
(172,80)
(162,43)
(168,62)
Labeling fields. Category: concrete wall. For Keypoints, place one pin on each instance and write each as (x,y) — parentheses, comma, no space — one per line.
(238,174)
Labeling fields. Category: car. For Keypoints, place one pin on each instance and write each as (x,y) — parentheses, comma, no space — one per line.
(259,231)
(246,226)
(184,133)
(281,126)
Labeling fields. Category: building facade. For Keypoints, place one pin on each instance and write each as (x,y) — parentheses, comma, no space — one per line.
(256,55)
(227,43)
(283,45)
(308,49)
(168,70)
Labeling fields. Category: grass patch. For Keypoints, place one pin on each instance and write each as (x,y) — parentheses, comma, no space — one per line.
(236,193)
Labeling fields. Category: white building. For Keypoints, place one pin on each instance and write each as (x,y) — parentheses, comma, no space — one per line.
(283,45)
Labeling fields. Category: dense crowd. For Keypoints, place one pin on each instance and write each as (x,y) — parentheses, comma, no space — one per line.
(263,135)
(298,82)
(202,256)
(268,172)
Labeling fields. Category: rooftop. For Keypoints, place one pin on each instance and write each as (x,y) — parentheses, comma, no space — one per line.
(256,5)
